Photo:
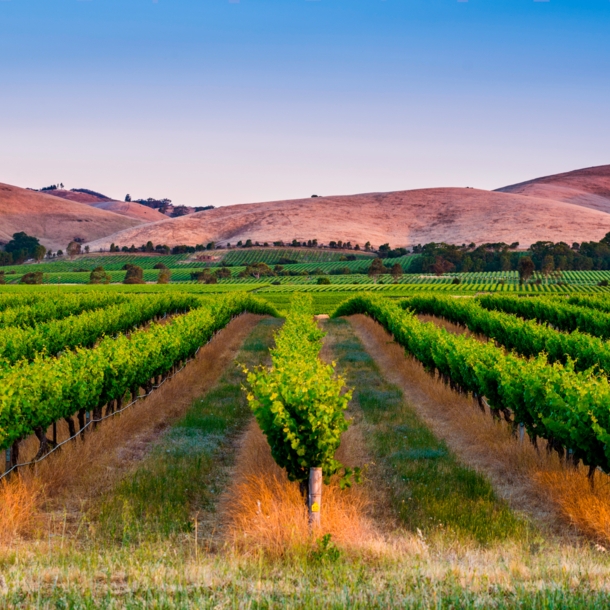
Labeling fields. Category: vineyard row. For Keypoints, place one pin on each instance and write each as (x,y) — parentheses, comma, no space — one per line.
(526,337)
(87,328)
(569,409)
(35,395)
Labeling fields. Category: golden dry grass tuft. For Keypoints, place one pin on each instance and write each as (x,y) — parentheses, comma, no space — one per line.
(20,499)
(586,507)
(264,511)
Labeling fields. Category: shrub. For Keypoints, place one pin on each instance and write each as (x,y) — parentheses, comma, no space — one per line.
(204,277)
(99,276)
(134,275)
(160,266)
(323,280)
(35,277)
(165,276)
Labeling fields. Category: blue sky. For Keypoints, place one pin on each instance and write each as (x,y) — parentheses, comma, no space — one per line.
(218,102)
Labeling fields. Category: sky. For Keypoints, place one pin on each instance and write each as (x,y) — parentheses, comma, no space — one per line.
(216,102)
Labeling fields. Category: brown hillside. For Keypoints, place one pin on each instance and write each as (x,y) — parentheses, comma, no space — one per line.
(76,196)
(131,210)
(124,208)
(54,221)
(589,188)
(401,218)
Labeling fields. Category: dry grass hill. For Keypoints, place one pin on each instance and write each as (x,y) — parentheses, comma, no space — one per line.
(130,209)
(571,207)
(589,188)
(402,218)
(53,220)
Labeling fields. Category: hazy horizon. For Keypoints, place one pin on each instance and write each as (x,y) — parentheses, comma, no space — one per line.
(238,102)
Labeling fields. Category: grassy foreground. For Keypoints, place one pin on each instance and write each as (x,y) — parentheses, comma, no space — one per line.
(153,544)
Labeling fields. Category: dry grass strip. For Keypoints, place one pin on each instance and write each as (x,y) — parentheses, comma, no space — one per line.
(71,479)
(533,482)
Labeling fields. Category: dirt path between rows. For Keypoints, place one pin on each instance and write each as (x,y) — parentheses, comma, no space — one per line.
(477,440)
(83,470)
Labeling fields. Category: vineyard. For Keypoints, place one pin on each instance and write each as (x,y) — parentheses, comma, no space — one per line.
(85,382)
(225,425)
(307,269)
(274,256)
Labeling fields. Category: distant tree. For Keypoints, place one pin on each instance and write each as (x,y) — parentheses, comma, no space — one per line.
(99,276)
(211,246)
(442,266)
(128,197)
(248,243)
(457,280)
(35,277)
(526,268)
(165,276)
(223,273)
(180,210)
(22,246)
(87,249)
(323,280)
(183,249)
(160,266)
(60,253)
(73,249)
(204,277)
(134,275)
(396,272)
(257,270)
(376,269)
(39,252)
(367,246)
(548,266)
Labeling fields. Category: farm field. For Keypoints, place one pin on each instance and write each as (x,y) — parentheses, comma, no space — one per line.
(459,446)
(314,266)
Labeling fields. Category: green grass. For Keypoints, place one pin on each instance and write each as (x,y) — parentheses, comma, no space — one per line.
(180,476)
(431,490)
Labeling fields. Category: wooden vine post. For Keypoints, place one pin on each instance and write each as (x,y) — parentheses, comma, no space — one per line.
(315,497)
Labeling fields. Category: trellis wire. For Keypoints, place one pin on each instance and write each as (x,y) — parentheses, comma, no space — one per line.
(95,421)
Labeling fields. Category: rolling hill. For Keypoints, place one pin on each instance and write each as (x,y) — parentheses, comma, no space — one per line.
(403,218)
(131,209)
(53,220)
(589,188)
(573,206)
